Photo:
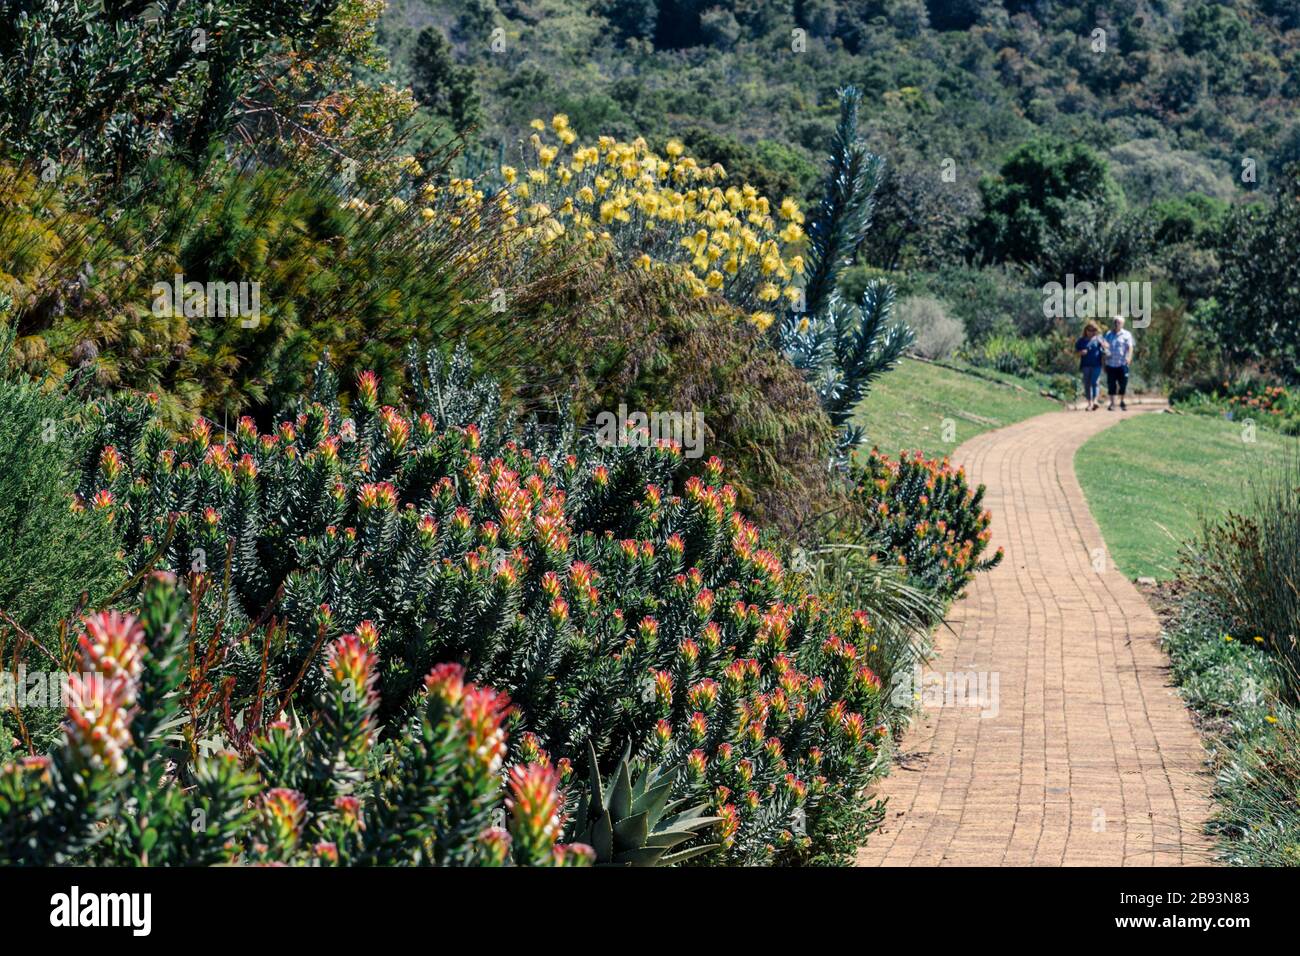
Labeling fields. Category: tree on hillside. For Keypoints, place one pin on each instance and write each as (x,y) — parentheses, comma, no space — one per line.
(632,19)
(1254,315)
(955,14)
(440,85)
(919,220)
(1039,188)
(774,169)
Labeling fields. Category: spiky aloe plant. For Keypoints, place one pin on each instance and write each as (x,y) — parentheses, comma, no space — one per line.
(840,347)
(631,821)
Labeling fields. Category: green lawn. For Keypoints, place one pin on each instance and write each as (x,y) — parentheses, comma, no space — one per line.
(1149,480)
(907,408)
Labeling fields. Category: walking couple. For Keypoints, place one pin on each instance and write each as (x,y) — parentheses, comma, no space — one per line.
(1114,350)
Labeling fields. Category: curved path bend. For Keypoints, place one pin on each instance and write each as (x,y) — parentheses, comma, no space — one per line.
(1088,756)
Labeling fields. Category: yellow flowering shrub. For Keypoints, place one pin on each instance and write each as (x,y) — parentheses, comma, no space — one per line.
(668,210)
(483,230)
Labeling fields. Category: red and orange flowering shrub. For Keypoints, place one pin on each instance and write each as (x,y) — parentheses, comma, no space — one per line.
(313,791)
(927,518)
(1249,399)
(615,603)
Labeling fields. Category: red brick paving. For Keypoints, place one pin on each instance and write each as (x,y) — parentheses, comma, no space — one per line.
(1091,759)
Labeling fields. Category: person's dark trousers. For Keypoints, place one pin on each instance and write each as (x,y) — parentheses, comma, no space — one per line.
(1116,379)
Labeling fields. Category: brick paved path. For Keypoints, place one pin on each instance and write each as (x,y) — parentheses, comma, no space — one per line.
(1091,759)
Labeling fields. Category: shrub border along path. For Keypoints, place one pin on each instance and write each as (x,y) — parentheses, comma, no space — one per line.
(1091,758)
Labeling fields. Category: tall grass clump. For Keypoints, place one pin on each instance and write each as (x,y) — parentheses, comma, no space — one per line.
(1248,563)
(1234,653)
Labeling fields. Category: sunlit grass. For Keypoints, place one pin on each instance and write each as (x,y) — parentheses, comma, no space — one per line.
(1151,478)
(907,408)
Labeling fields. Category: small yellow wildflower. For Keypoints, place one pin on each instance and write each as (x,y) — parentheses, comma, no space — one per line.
(551,230)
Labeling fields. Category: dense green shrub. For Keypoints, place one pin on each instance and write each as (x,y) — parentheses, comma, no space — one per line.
(52,555)
(614,602)
(938,334)
(320,790)
(1174,349)
(1040,186)
(1249,398)
(1258,273)
(618,336)
(104,83)
(1012,355)
(354,281)
(929,519)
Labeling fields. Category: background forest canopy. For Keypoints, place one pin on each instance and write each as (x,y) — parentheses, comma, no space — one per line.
(1023,141)
(1179,94)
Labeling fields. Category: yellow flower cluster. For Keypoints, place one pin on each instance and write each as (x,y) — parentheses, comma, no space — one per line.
(460,204)
(669,209)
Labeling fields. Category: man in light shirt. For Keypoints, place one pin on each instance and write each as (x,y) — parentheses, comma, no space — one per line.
(1119,346)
